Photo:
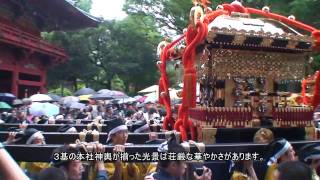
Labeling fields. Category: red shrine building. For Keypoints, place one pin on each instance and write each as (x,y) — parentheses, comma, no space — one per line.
(24,56)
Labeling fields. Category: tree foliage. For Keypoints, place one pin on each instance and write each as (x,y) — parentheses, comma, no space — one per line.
(121,54)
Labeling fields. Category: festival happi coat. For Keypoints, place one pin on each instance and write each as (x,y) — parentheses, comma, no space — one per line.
(242,64)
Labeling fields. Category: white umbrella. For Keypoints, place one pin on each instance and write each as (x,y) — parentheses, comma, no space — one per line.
(40,98)
(126,100)
(104,91)
(151,97)
(150,89)
(40,109)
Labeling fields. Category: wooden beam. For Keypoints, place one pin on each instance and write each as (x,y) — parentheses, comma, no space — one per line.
(224,135)
(68,138)
(36,153)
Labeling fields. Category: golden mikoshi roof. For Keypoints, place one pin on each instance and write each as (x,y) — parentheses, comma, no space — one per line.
(239,30)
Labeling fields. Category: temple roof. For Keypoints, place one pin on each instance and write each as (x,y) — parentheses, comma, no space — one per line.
(62,15)
(52,15)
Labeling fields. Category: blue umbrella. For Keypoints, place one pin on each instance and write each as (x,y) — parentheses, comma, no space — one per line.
(54,97)
(7,97)
(40,109)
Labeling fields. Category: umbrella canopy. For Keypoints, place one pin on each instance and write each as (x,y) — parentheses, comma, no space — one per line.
(118,95)
(68,100)
(7,97)
(26,101)
(84,97)
(150,89)
(102,91)
(106,94)
(17,102)
(84,91)
(40,109)
(151,97)
(101,96)
(142,99)
(4,105)
(40,98)
(76,105)
(126,100)
(55,97)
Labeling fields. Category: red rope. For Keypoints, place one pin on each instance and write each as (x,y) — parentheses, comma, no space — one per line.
(164,84)
(316,94)
(282,19)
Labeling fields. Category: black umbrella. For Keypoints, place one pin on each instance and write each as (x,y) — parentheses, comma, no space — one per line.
(84,91)
(101,96)
(7,97)
(54,97)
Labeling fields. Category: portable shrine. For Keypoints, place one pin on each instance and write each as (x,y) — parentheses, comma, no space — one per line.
(248,68)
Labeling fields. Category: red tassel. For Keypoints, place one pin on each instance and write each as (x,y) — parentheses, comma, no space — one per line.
(316,95)
(161,88)
(192,130)
(183,132)
(316,35)
(189,88)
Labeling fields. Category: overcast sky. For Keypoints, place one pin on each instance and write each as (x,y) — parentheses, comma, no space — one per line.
(108,9)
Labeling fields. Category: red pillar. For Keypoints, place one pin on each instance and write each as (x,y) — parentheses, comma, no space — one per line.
(15,78)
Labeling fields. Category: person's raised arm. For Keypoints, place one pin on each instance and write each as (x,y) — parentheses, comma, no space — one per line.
(9,169)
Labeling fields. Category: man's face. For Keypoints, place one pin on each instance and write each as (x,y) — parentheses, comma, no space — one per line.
(14,113)
(38,141)
(21,115)
(75,170)
(120,138)
(289,155)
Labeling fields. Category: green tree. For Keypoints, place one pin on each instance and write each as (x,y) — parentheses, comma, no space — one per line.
(117,83)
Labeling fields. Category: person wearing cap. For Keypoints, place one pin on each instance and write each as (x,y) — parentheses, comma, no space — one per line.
(278,151)
(310,155)
(30,136)
(144,167)
(117,137)
(33,136)
(140,127)
(73,169)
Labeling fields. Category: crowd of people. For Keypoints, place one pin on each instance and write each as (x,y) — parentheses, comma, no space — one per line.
(281,161)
